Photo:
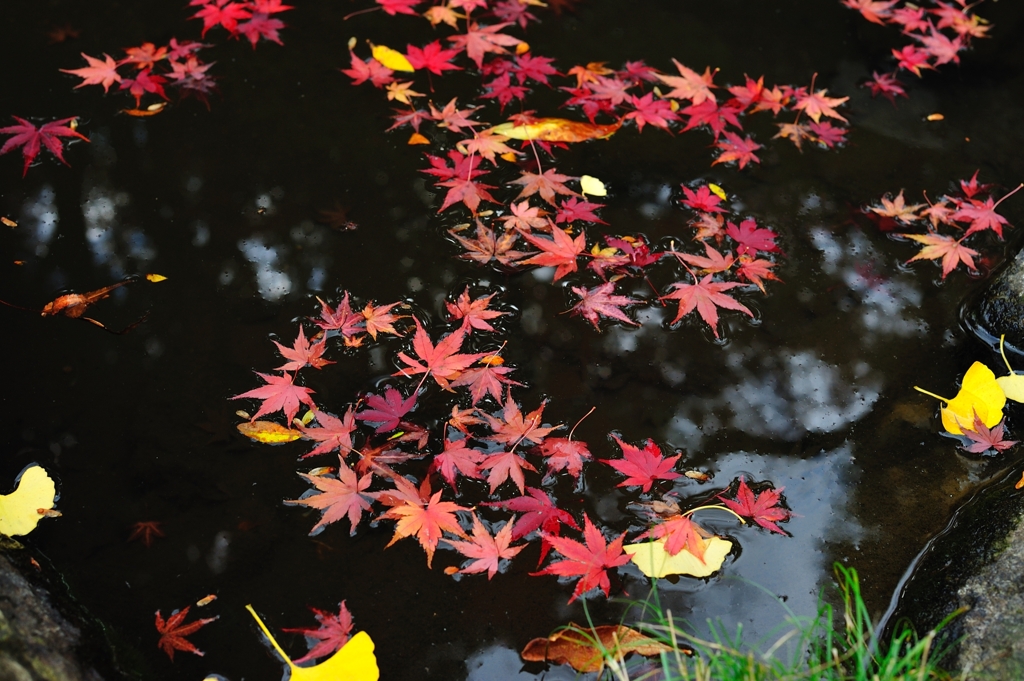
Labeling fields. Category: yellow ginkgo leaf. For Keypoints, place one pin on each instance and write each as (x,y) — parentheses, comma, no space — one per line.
(392,59)
(1013,383)
(979,394)
(593,186)
(21,510)
(555,130)
(354,662)
(654,561)
(268,432)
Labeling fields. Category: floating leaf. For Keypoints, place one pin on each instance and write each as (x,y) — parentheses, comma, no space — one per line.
(392,59)
(1013,383)
(155,278)
(584,649)
(268,432)
(555,130)
(354,662)
(979,394)
(21,510)
(593,186)
(655,561)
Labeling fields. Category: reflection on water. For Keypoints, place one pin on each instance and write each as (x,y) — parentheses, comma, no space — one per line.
(39,218)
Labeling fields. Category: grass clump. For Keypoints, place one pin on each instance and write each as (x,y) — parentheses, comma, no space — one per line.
(822,648)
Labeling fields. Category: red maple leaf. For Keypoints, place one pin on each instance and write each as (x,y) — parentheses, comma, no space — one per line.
(983,439)
(466,191)
(573,209)
(485,380)
(828,135)
(259,26)
(224,13)
(444,361)
(763,509)
(756,271)
(387,411)
(30,139)
(681,533)
(564,454)
(588,561)
(302,353)
(690,84)
(380,319)
(97,72)
(885,84)
(473,313)
(706,296)
(982,215)
(432,57)
(703,199)
(361,71)
(735,148)
(479,40)
(458,459)
(952,251)
(334,433)
(420,514)
(547,184)
(338,497)
(749,237)
(280,393)
(529,67)
(146,530)
(560,251)
(816,105)
(394,7)
(648,110)
(538,512)
(972,186)
(486,550)
(330,636)
(173,632)
(454,119)
(512,427)
(713,115)
(713,263)
(643,466)
(343,319)
(503,90)
(875,11)
(912,58)
(600,302)
(505,465)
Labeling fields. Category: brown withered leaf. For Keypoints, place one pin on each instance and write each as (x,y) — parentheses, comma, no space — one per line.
(581,648)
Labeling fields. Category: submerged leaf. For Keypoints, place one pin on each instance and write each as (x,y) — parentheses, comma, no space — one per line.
(584,649)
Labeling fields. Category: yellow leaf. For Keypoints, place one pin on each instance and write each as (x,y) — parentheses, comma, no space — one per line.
(522,48)
(392,59)
(21,510)
(417,138)
(268,432)
(718,191)
(1013,383)
(155,278)
(354,662)
(654,561)
(593,186)
(979,394)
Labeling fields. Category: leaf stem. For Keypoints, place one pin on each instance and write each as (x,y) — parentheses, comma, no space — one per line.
(717,507)
(938,397)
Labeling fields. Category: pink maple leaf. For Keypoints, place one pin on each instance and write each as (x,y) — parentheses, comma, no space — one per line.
(600,301)
(279,393)
(643,466)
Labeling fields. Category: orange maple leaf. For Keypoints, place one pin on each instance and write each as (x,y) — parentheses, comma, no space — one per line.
(951,250)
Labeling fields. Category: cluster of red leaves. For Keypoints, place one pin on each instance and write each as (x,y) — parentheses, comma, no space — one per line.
(148,69)
(392,466)
(938,32)
(968,212)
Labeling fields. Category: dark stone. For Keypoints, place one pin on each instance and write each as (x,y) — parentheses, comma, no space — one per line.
(42,636)
(976,564)
(999,307)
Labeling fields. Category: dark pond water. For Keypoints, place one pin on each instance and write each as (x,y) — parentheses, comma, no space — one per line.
(814,395)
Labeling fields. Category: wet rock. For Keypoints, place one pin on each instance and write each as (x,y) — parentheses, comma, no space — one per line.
(999,308)
(977,565)
(37,641)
